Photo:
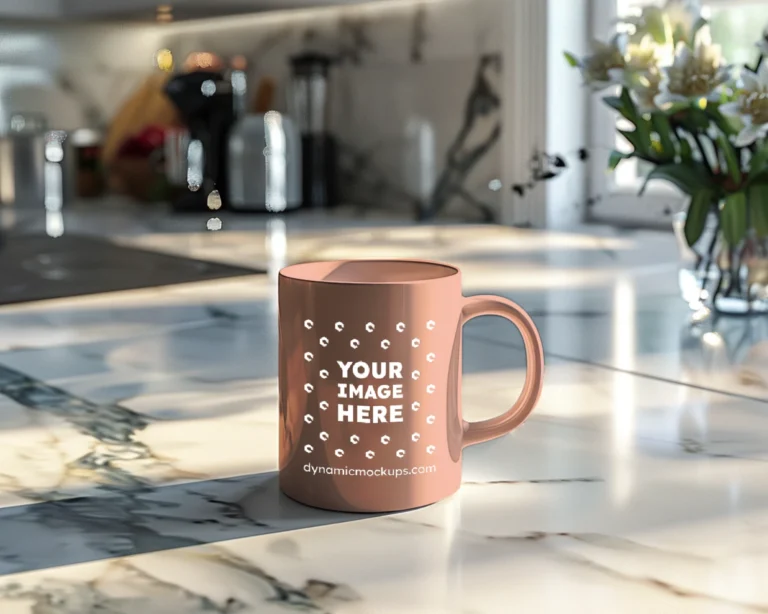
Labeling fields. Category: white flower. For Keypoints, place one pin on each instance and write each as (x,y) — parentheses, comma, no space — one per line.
(675,20)
(695,74)
(599,68)
(751,106)
(646,88)
(641,73)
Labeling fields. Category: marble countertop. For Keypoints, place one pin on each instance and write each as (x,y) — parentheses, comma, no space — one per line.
(138,440)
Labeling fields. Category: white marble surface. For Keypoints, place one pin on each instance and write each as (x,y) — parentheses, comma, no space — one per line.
(138,441)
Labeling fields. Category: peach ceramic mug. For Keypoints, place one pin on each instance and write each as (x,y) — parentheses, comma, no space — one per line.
(370,382)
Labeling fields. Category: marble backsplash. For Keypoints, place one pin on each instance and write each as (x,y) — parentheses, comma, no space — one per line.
(414,96)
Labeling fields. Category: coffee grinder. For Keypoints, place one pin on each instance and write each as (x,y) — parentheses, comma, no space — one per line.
(205,103)
(308,106)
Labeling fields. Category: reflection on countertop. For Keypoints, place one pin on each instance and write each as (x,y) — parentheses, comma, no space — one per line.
(138,439)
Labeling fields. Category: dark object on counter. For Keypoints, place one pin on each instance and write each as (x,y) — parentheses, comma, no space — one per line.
(35,268)
(90,179)
(205,103)
(309,108)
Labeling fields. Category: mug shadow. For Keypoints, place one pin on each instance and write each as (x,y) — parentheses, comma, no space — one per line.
(111,522)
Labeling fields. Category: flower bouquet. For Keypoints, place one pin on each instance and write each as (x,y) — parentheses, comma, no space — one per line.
(701,125)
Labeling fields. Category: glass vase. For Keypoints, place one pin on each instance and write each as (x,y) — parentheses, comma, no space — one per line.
(712,276)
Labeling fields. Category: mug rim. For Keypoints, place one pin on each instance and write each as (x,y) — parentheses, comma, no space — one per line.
(292,272)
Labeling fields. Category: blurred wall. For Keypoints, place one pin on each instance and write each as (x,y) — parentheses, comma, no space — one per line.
(76,75)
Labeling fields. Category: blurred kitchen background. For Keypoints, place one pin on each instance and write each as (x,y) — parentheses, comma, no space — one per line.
(393,105)
(423,109)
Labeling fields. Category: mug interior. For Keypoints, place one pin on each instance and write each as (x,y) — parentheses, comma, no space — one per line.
(369,271)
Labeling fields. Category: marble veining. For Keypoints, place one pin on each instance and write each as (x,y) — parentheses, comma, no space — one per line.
(138,441)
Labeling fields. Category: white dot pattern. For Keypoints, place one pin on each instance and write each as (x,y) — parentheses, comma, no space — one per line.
(386,344)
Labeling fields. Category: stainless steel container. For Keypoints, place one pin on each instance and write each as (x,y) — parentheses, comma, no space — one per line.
(36,165)
(265,163)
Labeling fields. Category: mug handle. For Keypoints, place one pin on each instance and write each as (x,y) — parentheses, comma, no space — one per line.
(476,306)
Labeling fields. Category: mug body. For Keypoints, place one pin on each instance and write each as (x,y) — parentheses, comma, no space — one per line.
(369,372)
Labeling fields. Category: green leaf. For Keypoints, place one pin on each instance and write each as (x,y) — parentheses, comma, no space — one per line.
(758,165)
(696,119)
(758,208)
(616,158)
(628,106)
(661,125)
(615,103)
(639,141)
(731,158)
(733,218)
(696,219)
(572,59)
(725,124)
(690,178)
(686,151)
